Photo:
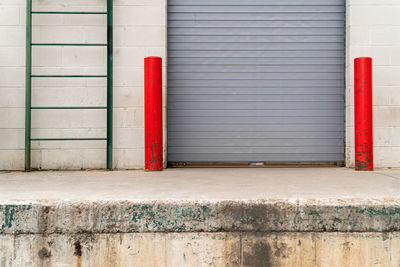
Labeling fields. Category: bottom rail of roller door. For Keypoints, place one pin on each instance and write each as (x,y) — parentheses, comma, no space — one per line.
(254,165)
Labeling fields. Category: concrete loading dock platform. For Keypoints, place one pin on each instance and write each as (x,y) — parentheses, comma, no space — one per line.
(191,217)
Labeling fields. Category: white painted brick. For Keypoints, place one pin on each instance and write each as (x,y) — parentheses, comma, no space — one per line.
(84,56)
(349,157)
(12,56)
(46,56)
(15,35)
(385,35)
(383,116)
(85,20)
(378,22)
(73,158)
(72,5)
(373,2)
(12,77)
(9,15)
(68,145)
(394,95)
(386,95)
(22,14)
(128,96)
(134,56)
(12,97)
(128,76)
(395,56)
(140,15)
(386,75)
(387,136)
(381,55)
(381,95)
(350,137)
(386,116)
(145,36)
(132,76)
(128,117)
(43,19)
(95,34)
(128,158)
(360,35)
(118,36)
(350,116)
(128,138)
(69,34)
(12,2)
(374,15)
(140,3)
(68,118)
(68,71)
(12,159)
(132,97)
(12,138)
(69,133)
(386,157)
(67,82)
(57,34)
(69,96)
(12,118)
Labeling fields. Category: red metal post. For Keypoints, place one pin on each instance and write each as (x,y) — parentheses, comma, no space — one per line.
(153,133)
(363,113)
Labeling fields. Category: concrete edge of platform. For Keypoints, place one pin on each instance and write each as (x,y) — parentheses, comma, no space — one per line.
(61,217)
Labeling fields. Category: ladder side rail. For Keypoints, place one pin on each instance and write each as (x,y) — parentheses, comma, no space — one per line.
(109,84)
(28,85)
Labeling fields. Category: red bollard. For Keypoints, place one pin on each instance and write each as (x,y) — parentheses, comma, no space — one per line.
(153,133)
(363,114)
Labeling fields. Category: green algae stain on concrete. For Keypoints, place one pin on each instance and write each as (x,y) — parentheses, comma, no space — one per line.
(164,216)
(314,213)
(381,211)
(159,216)
(9,214)
(353,224)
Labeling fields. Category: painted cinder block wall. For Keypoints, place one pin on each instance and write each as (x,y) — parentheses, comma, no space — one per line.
(139,31)
(373,29)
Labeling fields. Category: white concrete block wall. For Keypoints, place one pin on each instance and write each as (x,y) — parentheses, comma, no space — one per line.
(12,93)
(139,31)
(373,29)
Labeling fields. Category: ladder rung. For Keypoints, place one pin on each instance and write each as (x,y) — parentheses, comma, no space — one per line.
(70,12)
(70,76)
(68,44)
(68,139)
(100,107)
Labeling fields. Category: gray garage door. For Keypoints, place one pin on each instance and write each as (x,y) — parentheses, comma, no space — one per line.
(256,81)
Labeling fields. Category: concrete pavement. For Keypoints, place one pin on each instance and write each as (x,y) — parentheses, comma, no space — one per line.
(211,184)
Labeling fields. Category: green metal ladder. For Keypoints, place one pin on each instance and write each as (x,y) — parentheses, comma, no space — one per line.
(29,76)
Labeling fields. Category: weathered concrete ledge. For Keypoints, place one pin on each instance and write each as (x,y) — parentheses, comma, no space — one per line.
(68,217)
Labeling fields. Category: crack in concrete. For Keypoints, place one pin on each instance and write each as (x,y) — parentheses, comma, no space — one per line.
(387,175)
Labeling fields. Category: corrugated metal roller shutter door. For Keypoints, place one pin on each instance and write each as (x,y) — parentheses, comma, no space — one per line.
(256,81)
